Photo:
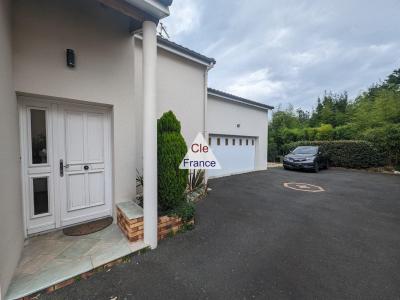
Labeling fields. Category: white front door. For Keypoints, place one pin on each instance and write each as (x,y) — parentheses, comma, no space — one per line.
(66,163)
(84,146)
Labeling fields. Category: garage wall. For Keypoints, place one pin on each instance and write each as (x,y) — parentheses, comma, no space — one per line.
(11,226)
(104,73)
(180,88)
(223,117)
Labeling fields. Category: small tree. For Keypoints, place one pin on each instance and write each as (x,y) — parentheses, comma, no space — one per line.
(172,148)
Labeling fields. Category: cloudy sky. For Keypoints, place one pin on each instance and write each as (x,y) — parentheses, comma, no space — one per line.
(290,51)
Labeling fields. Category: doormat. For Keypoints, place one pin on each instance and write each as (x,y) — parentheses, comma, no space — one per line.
(87,228)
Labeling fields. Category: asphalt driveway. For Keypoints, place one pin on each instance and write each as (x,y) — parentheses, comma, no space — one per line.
(255,238)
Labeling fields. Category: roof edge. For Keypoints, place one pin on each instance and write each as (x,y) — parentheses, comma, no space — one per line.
(158,9)
(167,43)
(238,99)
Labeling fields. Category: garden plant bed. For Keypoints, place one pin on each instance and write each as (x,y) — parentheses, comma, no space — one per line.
(130,221)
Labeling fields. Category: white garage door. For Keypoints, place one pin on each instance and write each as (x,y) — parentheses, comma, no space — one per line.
(235,154)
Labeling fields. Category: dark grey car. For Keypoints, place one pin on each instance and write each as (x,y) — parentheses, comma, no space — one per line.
(306,158)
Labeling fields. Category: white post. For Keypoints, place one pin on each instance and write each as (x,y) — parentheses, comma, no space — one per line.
(150,133)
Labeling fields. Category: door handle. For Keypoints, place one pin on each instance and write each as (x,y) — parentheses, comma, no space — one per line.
(61,168)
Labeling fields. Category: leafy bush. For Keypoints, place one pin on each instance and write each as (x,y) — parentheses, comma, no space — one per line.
(289,134)
(185,211)
(345,132)
(324,132)
(387,141)
(139,188)
(310,133)
(272,152)
(172,148)
(347,154)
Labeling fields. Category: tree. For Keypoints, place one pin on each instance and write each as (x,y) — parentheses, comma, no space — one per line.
(171,149)
(393,80)
(303,117)
(374,115)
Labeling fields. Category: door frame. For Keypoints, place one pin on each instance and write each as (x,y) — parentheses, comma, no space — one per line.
(52,122)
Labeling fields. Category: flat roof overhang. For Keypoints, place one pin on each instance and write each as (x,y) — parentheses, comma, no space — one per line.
(158,9)
(140,10)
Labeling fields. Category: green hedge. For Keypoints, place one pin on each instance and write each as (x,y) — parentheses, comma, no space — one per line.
(347,154)
(172,181)
(387,141)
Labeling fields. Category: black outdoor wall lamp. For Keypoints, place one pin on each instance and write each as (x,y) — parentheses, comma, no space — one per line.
(70,58)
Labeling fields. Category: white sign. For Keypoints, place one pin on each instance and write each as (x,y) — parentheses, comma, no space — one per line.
(199,156)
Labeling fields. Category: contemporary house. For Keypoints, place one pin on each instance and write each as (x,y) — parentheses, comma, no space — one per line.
(82,83)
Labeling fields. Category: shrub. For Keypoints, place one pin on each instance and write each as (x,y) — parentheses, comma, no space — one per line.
(139,188)
(324,132)
(310,133)
(347,154)
(172,148)
(345,132)
(196,180)
(387,141)
(272,151)
(289,135)
(185,211)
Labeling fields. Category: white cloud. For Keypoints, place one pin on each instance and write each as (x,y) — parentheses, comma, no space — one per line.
(257,85)
(213,46)
(277,37)
(318,52)
(290,51)
(185,18)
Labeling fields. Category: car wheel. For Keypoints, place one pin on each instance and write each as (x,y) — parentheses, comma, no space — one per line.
(316,167)
(286,168)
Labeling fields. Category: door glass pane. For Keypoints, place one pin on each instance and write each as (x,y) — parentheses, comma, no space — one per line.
(38,133)
(40,196)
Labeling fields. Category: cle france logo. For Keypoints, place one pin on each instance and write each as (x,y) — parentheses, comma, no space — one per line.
(199,156)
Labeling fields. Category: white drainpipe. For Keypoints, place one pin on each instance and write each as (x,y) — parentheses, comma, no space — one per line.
(205,129)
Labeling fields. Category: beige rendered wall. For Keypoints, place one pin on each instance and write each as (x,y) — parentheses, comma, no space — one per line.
(224,115)
(11,227)
(180,88)
(104,73)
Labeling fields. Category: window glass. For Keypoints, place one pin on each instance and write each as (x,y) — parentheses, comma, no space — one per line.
(209,141)
(252,142)
(310,150)
(233,142)
(40,196)
(247,142)
(218,141)
(38,136)
(240,142)
(226,142)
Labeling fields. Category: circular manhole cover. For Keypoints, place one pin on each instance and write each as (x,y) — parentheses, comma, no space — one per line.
(304,187)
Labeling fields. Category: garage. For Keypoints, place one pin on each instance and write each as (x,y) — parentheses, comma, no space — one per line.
(238,133)
(235,154)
